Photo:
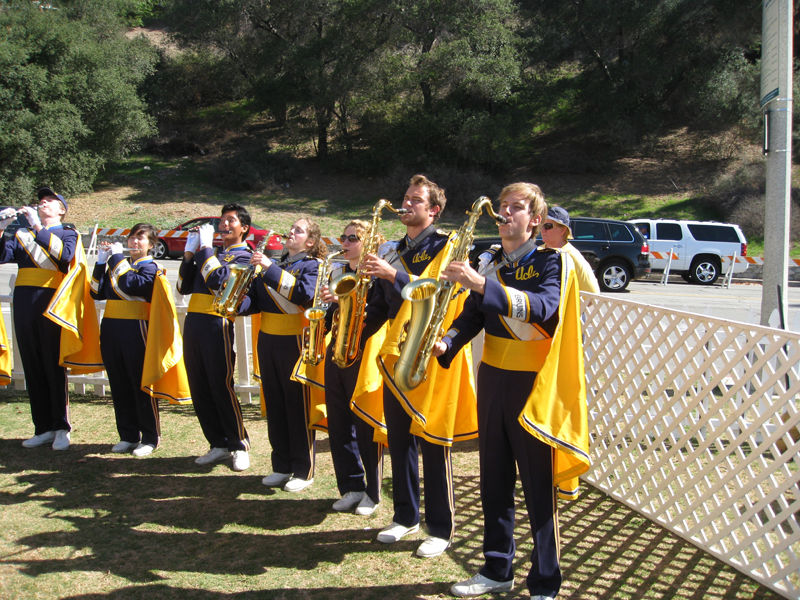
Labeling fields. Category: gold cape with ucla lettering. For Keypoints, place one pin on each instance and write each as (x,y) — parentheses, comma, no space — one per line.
(443,408)
(164,374)
(5,355)
(72,307)
(556,412)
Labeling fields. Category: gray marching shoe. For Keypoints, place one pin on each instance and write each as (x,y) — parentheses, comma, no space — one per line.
(349,501)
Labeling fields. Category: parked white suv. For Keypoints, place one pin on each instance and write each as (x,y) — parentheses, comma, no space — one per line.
(697,246)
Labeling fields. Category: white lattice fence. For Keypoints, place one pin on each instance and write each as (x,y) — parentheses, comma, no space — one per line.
(693,423)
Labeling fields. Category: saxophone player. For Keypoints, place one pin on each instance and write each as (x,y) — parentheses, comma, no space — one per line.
(356,456)
(408,429)
(527,302)
(209,351)
(280,293)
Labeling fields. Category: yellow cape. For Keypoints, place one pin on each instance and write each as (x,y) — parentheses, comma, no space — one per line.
(164,374)
(313,376)
(556,411)
(367,400)
(5,354)
(443,408)
(72,307)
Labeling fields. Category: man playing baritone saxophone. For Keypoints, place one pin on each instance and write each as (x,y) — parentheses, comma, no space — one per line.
(527,302)
(208,345)
(281,293)
(408,430)
(43,253)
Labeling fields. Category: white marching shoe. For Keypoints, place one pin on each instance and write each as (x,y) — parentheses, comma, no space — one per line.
(39,440)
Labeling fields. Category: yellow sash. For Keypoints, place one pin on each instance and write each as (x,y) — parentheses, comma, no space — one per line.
(367,400)
(201,303)
(514,355)
(556,411)
(127,309)
(280,324)
(41,278)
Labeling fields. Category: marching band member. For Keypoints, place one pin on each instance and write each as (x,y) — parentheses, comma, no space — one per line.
(129,288)
(531,395)
(418,254)
(209,351)
(354,452)
(280,293)
(43,253)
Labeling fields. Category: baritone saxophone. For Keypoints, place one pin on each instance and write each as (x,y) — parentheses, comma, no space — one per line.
(430,300)
(351,289)
(314,333)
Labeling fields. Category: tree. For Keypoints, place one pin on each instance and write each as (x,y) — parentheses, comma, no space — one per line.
(68,95)
(308,53)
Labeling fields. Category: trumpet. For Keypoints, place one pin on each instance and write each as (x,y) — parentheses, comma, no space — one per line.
(314,334)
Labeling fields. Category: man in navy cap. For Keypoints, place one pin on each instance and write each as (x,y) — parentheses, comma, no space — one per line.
(556,233)
(43,252)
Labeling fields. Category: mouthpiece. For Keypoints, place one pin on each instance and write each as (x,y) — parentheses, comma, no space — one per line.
(403,211)
(501,220)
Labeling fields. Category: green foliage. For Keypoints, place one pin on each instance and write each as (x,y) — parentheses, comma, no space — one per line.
(68,96)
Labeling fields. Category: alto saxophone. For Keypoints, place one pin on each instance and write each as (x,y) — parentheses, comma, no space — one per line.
(430,300)
(351,289)
(229,297)
(314,334)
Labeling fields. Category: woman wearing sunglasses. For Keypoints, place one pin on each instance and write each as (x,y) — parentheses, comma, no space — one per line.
(556,234)
(356,457)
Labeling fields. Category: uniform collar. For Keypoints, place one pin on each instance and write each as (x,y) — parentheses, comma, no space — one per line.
(285,260)
(417,241)
(144,259)
(239,246)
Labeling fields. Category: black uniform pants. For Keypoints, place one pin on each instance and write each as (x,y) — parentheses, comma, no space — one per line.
(353,451)
(209,355)
(122,344)
(287,405)
(404,449)
(504,445)
(39,342)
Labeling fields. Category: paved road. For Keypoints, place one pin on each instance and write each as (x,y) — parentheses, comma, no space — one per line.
(742,302)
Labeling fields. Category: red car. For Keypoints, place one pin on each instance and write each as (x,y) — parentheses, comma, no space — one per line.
(172,242)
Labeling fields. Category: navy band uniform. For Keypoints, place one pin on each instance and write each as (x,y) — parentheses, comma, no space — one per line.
(281,294)
(532,282)
(208,347)
(404,448)
(43,259)
(354,453)
(128,290)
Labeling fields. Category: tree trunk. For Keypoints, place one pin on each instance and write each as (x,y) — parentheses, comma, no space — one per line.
(323,120)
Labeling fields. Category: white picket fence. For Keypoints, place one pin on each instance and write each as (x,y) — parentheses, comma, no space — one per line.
(693,422)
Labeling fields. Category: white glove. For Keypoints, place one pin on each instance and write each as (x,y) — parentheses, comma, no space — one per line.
(192,242)
(206,235)
(116,248)
(7,216)
(33,216)
(103,255)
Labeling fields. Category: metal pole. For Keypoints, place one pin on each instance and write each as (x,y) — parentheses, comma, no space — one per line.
(777,69)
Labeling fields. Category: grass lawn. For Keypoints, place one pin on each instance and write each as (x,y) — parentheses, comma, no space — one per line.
(90,525)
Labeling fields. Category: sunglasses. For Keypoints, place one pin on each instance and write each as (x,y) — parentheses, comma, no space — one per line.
(350,238)
(548,226)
